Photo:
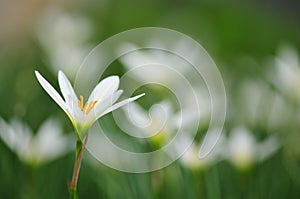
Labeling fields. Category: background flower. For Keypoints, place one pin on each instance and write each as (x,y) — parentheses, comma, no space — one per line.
(38,148)
(244,150)
(65,38)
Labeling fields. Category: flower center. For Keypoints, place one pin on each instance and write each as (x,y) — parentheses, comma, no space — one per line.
(87,107)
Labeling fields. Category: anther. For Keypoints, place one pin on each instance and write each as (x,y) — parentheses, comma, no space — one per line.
(87,107)
(91,106)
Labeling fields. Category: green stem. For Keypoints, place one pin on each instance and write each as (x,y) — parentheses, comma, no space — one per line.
(79,154)
(31,184)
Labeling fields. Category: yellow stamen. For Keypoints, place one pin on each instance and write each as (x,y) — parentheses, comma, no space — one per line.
(84,107)
(91,106)
(87,107)
(80,102)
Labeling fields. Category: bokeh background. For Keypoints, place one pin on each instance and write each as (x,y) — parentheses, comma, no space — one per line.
(255,45)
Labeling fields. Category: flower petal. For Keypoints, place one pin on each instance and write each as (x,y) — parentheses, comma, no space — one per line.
(51,91)
(50,142)
(137,115)
(105,88)
(68,92)
(102,106)
(120,104)
(7,136)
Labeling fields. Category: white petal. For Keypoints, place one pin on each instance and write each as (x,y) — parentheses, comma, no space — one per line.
(23,134)
(7,136)
(102,106)
(105,88)
(161,112)
(137,115)
(67,91)
(49,142)
(242,146)
(75,112)
(120,104)
(267,148)
(51,91)
(18,137)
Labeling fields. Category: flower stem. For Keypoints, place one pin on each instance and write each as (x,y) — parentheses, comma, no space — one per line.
(79,154)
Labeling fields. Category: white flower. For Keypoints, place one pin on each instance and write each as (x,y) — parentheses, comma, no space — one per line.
(258,104)
(197,156)
(84,114)
(244,150)
(64,37)
(155,124)
(49,142)
(287,73)
(160,65)
(159,124)
(204,104)
(191,160)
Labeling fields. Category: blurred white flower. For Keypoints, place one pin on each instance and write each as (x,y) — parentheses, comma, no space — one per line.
(192,157)
(156,65)
(258,104)
(159,124)
(244,150)
(64,37)
(160,65)
(84,114)
(202,96)
(35,149)
(191,160)
(287,72)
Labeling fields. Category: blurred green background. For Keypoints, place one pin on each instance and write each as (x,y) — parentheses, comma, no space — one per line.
(251,42)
